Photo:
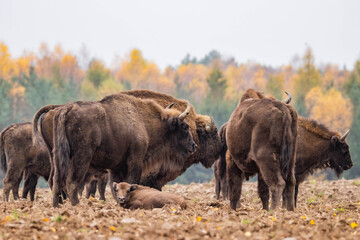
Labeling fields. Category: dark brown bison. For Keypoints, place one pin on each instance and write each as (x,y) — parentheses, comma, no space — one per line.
(124,134)
(220,167)
(20,158)
(202,127)
(261,138)
(135,196)
(204,132)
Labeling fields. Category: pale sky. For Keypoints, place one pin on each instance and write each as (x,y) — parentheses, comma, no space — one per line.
(268,32)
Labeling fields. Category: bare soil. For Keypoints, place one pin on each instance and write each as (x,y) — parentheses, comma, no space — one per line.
(326,210)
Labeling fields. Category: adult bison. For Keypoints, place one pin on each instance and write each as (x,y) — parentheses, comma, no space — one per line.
(20,158)
(204,132)
(124,134)
(202,127)
(261,138)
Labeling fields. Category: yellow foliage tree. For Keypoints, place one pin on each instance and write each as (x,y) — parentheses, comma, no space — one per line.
(191,81)
(235,82)
(8,67)
(135,72)
(330,108)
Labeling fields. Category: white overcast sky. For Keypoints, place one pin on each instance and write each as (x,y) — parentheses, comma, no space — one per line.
(268,32)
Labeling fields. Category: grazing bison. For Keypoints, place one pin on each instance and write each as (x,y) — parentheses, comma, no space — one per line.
(220,167)
(261,138)
(20,158)
(135,196)
(124,134)
(204,132)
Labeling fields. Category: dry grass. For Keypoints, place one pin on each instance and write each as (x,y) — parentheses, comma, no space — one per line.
(326,210)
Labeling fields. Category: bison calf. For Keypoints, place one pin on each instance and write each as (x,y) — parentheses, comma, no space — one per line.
(135,196)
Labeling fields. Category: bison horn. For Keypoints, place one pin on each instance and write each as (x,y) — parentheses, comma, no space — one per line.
(288,99)
(209,128)
(345,135)
(183,115)
(170,106)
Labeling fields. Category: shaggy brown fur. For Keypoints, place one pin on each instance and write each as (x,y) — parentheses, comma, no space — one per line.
(317,148)
(20,158)
(127,135)
(135,196)
(220,167)
(202,128)
(261,138)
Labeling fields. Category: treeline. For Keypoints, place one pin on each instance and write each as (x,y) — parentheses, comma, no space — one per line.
(213,84)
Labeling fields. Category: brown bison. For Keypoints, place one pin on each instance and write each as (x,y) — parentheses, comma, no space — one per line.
(308,157)
(135,196)
(202,127)
(124,134)
(261,138)
(220,167)
(204,132)
(20,158)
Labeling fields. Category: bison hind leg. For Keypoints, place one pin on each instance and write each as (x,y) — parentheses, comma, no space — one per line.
(235,178)
(217,188)
(263,191)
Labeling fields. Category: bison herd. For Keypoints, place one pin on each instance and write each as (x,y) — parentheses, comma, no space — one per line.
(139,140)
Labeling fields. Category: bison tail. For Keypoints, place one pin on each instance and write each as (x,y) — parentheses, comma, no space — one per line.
(288,146)
(61,144)
(36,136)
(2,150)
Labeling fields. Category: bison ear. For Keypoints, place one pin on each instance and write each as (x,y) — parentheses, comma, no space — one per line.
(173,123)
(133,187)
(115,186)
(334,140)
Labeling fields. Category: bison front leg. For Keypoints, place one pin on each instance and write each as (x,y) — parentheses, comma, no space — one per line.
(30,185)
(224,188)
(263,191)
(102,187)
(235,178)
(91,189)
(217,188)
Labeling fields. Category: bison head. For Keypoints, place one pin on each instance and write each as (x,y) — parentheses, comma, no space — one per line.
(210,143)
(122,191)
(179,134)
(340,158)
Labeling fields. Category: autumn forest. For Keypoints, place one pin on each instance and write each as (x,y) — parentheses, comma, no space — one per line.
(327,93)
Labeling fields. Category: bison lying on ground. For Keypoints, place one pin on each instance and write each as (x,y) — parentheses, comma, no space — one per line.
(135,196)
(261,138)
(19,157)
(124,134)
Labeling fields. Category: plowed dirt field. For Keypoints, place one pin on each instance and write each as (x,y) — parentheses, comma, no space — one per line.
(326,210)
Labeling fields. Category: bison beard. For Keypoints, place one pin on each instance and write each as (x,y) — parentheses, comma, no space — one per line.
(121,133)
(261,138)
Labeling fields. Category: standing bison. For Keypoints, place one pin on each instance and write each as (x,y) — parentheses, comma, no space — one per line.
(202,127)
(261,138)
(20,158)
(124,134)
(204,132)
(220,167)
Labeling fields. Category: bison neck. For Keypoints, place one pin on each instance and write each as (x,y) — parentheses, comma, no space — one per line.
(312,153)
